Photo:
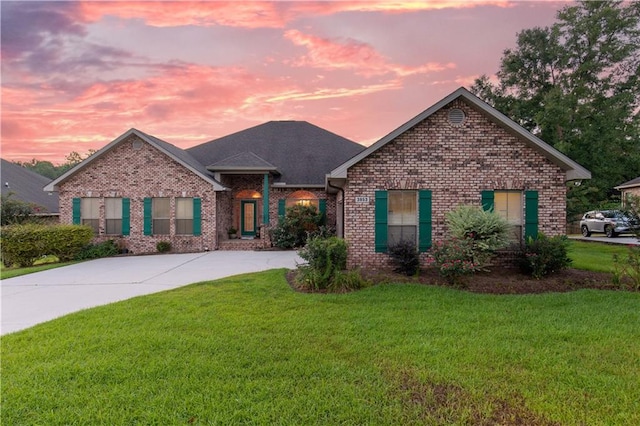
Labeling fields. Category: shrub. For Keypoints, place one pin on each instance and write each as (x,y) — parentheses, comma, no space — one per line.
(95,251)
(405,257)
(22,244)
(454,259)
(326,263)
(487,230)
(627,267)
(163,246)
(544,255)
(299,224)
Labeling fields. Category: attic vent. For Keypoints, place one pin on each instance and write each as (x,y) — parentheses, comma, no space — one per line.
(136,145)
(456,116)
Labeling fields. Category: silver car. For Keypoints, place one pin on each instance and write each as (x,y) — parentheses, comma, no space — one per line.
(609,222)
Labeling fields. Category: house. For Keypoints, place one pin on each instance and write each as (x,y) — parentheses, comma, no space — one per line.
(459,151)
(629,189)
(26,186)
(140,190)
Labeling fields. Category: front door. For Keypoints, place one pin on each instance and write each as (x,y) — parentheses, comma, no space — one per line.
(248,218)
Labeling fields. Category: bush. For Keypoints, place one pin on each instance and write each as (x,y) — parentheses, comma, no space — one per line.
(627,267)
(299,224)
(23,244)
(486,230)
(454,259)
(544,255)
(405,257)
(326,264)
(95,251)
(163,246)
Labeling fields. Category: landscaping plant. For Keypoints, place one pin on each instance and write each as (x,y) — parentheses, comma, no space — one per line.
(405,257)
(454,259)
(95,251)
(163,246)
(543,256)
(299,224)
(627,267)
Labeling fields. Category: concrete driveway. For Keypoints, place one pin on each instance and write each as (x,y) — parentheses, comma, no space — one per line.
(35,298)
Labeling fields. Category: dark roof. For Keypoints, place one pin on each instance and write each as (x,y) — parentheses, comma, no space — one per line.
(303,153)
(243,161)
(27,186)
(632,183)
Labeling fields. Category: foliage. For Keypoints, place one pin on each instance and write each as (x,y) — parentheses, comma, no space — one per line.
(576,85)
(48,169)
(627,268)
(454,259)
(487,232)
(632,210)
(95,251)
(326,266)
(543,256)
(299,224)
(405,257)
(23,244)
(14,210)
(248,350)
(163,246)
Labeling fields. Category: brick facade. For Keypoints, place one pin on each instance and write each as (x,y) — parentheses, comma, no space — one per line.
(137,173)
(455,162)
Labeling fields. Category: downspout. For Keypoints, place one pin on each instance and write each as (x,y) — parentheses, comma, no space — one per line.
(343,200)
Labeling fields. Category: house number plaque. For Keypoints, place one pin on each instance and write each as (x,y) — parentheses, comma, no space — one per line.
(361,200)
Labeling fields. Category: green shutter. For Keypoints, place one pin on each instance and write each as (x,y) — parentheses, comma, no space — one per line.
(197,216)
(322,204)
(147,216)
(76,211)
(487,200)
(126,216)
(530,214)
(424,220)
(281,209)
(381,214)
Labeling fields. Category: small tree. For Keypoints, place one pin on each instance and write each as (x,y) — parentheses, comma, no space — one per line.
(296,226)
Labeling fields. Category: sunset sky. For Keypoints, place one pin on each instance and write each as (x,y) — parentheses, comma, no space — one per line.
(76,75)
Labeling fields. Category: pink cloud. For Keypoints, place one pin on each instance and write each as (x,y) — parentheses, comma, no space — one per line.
(360,57)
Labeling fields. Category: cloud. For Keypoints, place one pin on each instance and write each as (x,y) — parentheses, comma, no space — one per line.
(353,55)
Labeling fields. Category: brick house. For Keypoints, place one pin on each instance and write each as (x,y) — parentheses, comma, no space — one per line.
(459,151)
(139,190)
(628,190)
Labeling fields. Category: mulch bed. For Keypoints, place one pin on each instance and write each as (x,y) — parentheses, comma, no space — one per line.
(499,281)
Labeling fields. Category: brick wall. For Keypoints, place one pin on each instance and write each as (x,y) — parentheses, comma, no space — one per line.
(136,174)
(455,162)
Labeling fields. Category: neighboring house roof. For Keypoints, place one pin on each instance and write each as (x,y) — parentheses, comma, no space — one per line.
(302,152)
(631,184)
(573,170)
(26,186)
(177,154)
(243,163)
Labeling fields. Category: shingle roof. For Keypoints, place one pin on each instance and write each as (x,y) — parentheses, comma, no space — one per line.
(303,153)
(243,161)
(27,186)
(632,183)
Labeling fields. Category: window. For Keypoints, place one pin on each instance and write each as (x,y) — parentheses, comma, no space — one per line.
(508,204)
(402,217)
(302,198)
(113,216)
(184,216)
(90,213)
(160,215)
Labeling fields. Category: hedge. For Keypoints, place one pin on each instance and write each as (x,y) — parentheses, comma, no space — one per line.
(23,244)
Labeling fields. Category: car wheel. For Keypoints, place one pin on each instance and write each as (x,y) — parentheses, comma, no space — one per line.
(585,231)
(608,230)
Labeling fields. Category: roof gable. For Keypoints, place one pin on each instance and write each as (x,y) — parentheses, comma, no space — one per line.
(179,155)
(27,186)
(573,170)
(301,152)
(243,162)
(631,184)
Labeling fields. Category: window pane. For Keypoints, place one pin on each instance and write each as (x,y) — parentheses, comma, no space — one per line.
(113,226)
(402,208)
(184,208)
(184,226)
(161,208)
(290,202)
(160,226)
(113,208)
(90,208)
(508,204)
(397,234)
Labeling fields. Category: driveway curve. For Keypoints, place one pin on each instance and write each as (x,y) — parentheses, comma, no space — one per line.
(35,298)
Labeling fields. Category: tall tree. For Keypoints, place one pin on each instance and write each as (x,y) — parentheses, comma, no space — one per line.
(576,85)
(48,169)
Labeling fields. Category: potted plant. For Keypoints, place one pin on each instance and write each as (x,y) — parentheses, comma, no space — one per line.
(233,233)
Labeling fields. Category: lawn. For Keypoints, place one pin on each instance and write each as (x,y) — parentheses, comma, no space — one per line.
(596,257)
(249,350)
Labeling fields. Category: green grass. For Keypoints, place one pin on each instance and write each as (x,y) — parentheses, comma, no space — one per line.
(249,350)
(16,272)
(596,257)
